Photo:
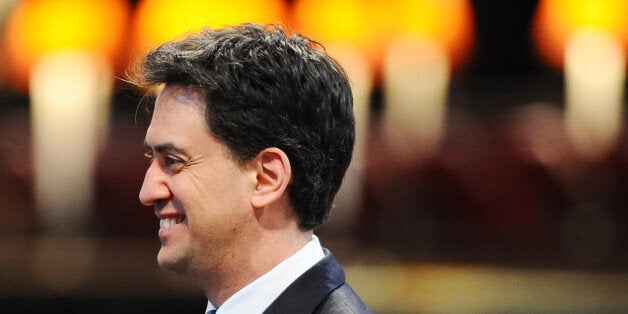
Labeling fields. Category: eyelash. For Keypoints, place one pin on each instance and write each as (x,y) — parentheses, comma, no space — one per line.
(170,162)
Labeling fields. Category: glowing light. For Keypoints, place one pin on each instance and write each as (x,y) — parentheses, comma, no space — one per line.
(41,26)
(158,21)
(364,25)
(69,112)
(416,75)
(65,49)
(449,23)
(431,39)
(595,75)
(556,20)
(588,39)
(370,25)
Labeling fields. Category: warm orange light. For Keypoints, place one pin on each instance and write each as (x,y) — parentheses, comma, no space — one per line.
(556,20)
(37,27)
(371,24)
(327,21)
(362,24)
(449,23)
(158,21)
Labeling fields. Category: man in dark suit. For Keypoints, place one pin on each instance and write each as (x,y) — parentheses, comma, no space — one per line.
(249,140)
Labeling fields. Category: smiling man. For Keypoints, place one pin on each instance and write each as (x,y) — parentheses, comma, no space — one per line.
(249,141)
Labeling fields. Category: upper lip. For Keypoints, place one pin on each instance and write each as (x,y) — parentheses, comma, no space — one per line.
(169,215)
(162,213)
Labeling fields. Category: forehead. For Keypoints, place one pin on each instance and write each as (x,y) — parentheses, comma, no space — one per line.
(179,121)
(178,116)
(172,96)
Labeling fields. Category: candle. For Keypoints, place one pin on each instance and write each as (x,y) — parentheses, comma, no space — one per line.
(69,117)
(416,77)
(429,39)
(586,38)
(595,67)
(66,51)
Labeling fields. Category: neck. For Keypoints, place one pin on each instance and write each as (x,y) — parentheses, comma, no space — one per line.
(269,248)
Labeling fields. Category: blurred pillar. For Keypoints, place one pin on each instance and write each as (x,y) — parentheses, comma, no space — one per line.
(66,49)
(344,28)
(595,78)
(587,39)
(430,38)
(69,113)
(416,76)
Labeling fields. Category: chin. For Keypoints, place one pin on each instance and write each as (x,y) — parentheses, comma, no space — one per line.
(169,262)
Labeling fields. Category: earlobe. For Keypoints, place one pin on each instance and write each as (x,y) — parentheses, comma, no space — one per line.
(273,175)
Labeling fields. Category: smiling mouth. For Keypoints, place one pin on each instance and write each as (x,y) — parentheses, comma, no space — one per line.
(170,221)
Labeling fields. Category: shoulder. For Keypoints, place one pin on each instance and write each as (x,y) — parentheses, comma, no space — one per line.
(342,300)
(321,289)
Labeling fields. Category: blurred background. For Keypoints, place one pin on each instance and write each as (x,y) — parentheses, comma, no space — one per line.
(490,170)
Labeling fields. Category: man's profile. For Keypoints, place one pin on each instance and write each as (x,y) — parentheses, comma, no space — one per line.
(249,141)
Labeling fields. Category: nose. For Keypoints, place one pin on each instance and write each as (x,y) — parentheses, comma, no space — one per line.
(154,188)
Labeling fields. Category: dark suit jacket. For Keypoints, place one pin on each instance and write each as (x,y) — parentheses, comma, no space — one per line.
(321,289)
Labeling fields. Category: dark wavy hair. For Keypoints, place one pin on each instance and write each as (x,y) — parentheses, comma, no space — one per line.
(267,88)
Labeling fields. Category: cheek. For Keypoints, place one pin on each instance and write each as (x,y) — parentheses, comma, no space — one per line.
(215,197)
(229,191)
(212,202)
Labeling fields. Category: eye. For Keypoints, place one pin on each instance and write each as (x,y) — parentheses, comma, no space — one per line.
(172,162)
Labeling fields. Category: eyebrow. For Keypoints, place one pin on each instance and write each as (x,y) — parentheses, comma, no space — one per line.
(164,147)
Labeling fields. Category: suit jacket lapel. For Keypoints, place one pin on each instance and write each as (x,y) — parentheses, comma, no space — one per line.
(307,292)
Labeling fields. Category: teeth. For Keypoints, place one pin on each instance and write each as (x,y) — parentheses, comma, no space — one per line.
(168,222)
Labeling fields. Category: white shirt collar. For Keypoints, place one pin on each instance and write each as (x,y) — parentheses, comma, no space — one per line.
(259,294)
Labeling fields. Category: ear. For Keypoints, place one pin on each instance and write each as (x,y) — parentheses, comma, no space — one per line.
(273,175)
